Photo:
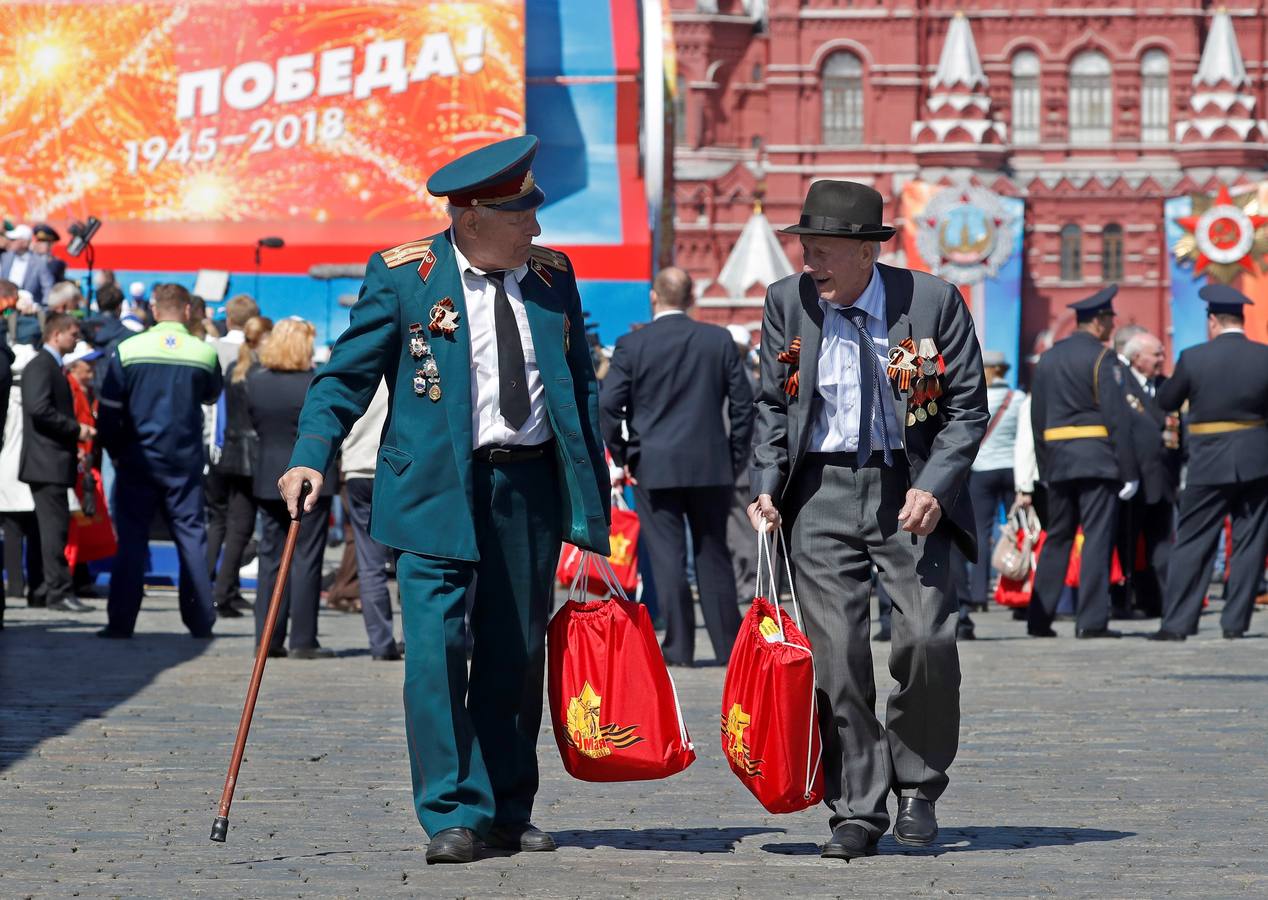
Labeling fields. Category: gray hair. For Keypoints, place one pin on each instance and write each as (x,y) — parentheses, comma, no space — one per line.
(454,212)
(1138,342)
(64,293)
(1123,335)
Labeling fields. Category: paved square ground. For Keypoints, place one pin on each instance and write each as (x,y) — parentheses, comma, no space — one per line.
(1086,769)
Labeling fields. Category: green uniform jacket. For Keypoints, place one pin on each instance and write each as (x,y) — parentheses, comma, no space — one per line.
(423,479)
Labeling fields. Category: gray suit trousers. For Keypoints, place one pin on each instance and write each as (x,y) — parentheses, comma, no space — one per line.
(840,520)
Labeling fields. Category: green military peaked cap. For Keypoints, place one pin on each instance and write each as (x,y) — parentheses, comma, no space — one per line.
(498,176)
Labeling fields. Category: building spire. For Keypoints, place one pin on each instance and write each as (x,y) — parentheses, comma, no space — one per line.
(1221,63)
(959,62)
(757,259)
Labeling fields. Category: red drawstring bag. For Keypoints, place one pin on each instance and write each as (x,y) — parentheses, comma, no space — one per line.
(770,716)
(623,560)
(91,537)
(613,705)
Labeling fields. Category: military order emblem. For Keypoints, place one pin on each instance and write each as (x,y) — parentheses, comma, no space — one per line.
(734,724)
(1223,237)
(444,318)
(587,735)
(960,233)
(792,358)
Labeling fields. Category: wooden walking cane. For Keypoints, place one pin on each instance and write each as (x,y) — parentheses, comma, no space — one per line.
(220,827)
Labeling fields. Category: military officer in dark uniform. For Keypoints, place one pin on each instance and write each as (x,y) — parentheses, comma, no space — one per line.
(490,456)
(1225,383)
(1083,447)
(43,239)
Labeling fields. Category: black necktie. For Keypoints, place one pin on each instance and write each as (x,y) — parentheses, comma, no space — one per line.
(512,379)
(870,394)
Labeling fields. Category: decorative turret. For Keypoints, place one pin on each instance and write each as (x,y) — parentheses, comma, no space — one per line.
(1222,108)
(756,260)
(958,128)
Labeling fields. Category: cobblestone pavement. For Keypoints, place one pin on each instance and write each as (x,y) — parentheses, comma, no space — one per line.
(1086,769)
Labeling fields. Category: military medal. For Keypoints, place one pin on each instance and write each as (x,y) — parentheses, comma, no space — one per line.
(433,393)
(902,364)
(430,369)
(921,415)
(444,318)
(417,343)
(792,357)
(911,419)
(932,407)
(420,382)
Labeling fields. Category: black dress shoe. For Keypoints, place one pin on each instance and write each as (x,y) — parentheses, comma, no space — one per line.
(113,634)
(1164,635)
(1089,633)
(916,825)
(1233,635)
(392,655)
(277,652)
(1041,632)
(526,837)
(882,637)
(227,611)
(849,841)
(452,845)
(311,653)
(965,633)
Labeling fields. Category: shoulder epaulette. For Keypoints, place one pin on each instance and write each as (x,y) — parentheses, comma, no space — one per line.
(548,257)
(406,253)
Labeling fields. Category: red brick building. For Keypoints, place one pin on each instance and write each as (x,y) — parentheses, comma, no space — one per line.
(1092,113)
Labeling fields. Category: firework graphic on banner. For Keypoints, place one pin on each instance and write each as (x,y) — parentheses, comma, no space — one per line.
(207,113)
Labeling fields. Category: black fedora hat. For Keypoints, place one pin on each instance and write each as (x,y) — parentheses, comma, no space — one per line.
(843,209)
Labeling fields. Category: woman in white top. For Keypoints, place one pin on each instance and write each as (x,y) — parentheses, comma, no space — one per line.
(991,478)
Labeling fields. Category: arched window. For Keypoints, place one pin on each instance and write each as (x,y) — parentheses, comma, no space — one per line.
(843,99)
(1155,97)
(1091,95)
(1071,253)
(1112,253)
(1026,97)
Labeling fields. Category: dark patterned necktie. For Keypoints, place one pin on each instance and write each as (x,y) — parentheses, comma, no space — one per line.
(512,380)
(871,395)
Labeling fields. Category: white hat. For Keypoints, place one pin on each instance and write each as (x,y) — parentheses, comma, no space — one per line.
(83,350)
(137,289)
(740,335)
(20,233)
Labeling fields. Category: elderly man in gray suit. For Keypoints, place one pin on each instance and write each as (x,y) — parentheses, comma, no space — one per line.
(872,406)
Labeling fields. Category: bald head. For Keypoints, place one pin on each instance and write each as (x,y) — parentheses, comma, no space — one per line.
(671,289)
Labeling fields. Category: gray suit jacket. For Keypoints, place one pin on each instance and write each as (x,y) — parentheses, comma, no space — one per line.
(38,279)
(940,450)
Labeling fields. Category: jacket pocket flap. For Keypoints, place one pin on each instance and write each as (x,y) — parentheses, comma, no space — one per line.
(398,460)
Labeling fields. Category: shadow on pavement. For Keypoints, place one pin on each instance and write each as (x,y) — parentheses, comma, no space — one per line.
(55,674)
(679,840)
(960,840)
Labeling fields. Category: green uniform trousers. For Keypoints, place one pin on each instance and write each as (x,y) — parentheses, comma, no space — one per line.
(473,737)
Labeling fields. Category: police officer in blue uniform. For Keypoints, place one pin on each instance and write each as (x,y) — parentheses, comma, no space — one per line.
(1225,383)
(1084,449)
(490,456)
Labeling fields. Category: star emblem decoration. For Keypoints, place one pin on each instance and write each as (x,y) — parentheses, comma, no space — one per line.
(1223,236)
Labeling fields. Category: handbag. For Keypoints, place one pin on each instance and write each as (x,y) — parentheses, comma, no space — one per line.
(770,714)
(91,535)
(622,561)
(1013,556)
(613,706)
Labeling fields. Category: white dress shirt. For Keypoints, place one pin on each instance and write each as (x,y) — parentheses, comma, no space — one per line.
(17,272)
(487,425)
(836,421)
(1144,381)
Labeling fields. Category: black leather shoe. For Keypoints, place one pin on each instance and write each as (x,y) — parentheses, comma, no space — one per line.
(965,633)
(112,634)
(392,655)
(916,825)
(882,637)
(452,845)
(1041,632)
(1233,635)
(228,611)
(277,652)
(311,653)
(849,841)
(526,837)
(1164,635)
(1089,633)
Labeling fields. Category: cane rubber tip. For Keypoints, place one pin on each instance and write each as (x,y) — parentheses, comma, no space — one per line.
(220,829)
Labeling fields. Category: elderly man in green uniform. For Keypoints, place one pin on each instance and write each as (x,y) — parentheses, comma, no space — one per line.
(490,456)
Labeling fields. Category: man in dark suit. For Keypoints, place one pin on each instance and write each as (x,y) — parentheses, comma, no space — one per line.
(24,267)
(50,455)
(1151,513)
(666,389)
(1083,446)
(1225,382)
(872,406)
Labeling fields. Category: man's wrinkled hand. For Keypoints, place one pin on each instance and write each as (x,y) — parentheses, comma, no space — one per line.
(290,484)
(762,514)
(921,513)
(1025,501)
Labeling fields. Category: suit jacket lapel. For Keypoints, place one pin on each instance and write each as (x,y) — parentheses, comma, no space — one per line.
(811,335)
(452,352)
(898,290)
(545,323)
